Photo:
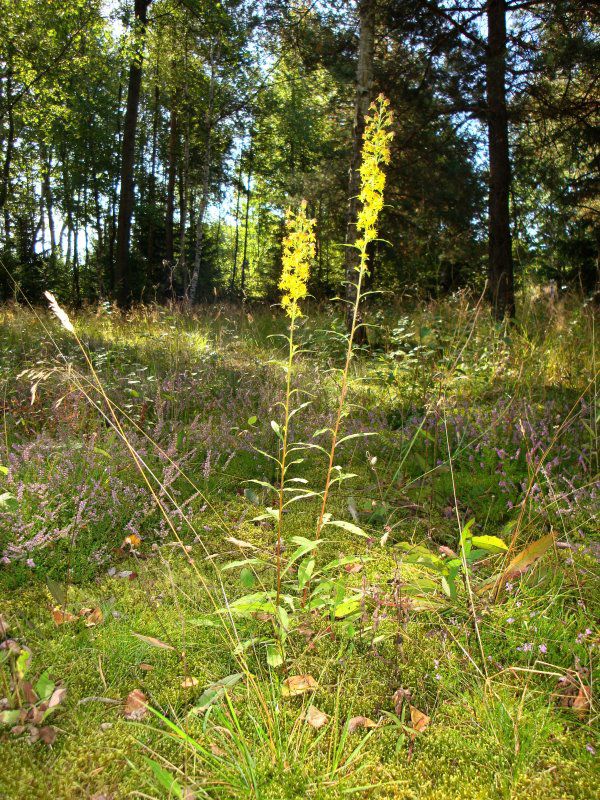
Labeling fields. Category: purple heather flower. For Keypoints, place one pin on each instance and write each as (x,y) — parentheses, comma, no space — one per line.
(543,649)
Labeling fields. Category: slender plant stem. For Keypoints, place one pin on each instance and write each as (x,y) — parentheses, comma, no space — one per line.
(344,387)
(284,447)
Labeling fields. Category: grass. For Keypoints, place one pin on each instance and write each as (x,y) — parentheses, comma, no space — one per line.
(472,420)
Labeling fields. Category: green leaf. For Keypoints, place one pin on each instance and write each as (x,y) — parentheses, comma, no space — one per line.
(252,420)
(9,718)
(284,618)
(305,546)
(272,513)
(347,607)
(247,578)
(449,586)
(22,664)
(274,655)
(490,543)
(215,691)
(164,778)
(8,502)
(252,496)
(305,571)
(276,427)
(348,526)
(44,686)
(250,603)
(203,623)
(58,591)
(102,452)
(529,555)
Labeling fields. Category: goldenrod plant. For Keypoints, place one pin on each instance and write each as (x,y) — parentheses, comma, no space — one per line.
(375,154)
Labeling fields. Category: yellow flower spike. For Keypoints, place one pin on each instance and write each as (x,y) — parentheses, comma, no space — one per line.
(375,152)
(298,252)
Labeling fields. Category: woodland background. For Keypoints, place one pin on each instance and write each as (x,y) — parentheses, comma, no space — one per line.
(148,150)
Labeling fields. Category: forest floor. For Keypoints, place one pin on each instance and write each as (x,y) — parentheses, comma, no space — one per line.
(136,587)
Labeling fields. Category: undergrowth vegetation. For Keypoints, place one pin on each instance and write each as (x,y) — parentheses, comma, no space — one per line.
(471,421)
(243,557)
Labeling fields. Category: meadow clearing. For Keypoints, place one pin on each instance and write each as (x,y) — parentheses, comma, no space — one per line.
(438,637)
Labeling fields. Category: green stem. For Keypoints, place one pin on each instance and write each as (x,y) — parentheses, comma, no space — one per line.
(284,447)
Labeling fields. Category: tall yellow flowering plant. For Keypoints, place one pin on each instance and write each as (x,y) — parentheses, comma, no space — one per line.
(298,254)
(375,154)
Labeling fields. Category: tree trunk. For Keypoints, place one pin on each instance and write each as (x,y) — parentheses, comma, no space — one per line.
(49,200)
(152,187)
(6,167)
(236,243)
(245,252)
(501,291)
(171,175)
(123,277)
(364,90)
(193,289)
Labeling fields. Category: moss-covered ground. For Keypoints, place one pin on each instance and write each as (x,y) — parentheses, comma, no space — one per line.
(471,420)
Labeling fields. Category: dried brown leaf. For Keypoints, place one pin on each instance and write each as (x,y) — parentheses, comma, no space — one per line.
(360,722)
(135,705)
(28,692)
(91,616)
(574,694)
(58,695)
(418,720)
(48,734)
(152,641)
(216,750)
(315,718)
(189,683)
(353,568)
(400,697)
(62,616)
(298,684)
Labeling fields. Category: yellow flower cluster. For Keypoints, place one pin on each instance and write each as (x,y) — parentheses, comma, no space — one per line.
(376,151)
(298,252)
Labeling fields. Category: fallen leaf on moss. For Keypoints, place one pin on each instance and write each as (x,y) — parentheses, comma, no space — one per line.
(298,684)
(315,718)
(131,541)
(399,697)
(240,543)
(353,568)
(152,641)
(91,617)
(135,705)
(574,694)
(28,692)
(360,722)
(61,616)
(58,695)
(189,683)
(146,667)
(418,721)
(47,734)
